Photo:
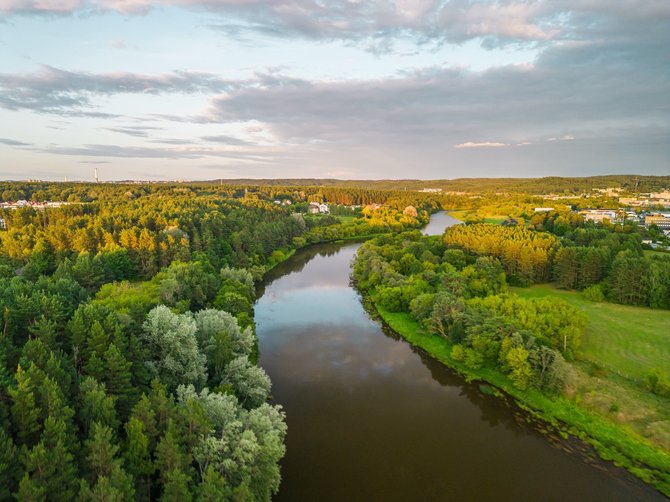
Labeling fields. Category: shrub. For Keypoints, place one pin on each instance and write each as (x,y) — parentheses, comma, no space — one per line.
(458,352)
(594,293)
(473,359)
(657,382)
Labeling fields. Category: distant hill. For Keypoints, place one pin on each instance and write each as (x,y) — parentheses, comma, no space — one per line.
(552,184)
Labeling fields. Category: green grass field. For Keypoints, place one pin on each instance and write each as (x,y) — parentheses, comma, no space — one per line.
(623,339)
(459,215)
(656,252)
(467,215)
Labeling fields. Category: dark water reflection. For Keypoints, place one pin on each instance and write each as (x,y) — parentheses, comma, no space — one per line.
(371,418)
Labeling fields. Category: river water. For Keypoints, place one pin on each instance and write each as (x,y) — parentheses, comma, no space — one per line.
(372,418)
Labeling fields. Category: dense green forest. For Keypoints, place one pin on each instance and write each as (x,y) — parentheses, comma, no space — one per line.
(128,355)
(606,263)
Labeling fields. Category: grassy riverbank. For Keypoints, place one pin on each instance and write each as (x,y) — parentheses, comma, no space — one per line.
(613,441)
(623,339)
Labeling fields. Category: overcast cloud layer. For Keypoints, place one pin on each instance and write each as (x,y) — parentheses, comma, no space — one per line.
(349,89)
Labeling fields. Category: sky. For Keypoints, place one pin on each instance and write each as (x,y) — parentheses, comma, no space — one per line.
(350,89)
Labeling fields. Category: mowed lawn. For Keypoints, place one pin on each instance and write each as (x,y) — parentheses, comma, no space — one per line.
(620,338)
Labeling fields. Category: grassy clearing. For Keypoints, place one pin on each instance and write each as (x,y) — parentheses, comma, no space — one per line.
(473,215)
(655,252)
(624,424)
(460,215)
(623,339)
(347,219)
(621,344)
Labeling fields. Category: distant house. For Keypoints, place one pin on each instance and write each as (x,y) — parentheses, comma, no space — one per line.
(323,208)
(661,220)
(40,206)
(313,208)
(599,215)
(543,209)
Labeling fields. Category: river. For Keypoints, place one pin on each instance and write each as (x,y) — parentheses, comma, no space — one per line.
(372,418)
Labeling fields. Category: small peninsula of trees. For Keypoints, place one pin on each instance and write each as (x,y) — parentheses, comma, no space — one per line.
(464,298)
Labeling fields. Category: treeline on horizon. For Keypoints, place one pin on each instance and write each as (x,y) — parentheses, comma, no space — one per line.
(544,185)
(100,192)
(235,187)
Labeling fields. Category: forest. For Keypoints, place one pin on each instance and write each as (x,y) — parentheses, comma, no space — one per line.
(604,263)
(128,355)
(129,358)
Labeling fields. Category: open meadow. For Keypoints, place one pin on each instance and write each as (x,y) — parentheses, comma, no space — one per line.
(623,339)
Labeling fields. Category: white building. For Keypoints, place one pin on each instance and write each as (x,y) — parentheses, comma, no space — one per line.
(599,215)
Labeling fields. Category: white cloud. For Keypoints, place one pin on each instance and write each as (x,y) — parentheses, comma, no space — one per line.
(484,144)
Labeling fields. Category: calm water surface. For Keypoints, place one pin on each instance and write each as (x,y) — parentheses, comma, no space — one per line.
(371,418)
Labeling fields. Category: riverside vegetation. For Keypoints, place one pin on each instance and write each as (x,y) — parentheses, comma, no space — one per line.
(450,295)
(128,353)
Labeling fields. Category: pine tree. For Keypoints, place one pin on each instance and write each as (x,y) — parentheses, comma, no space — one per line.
(97,341)
(101,451)
(213,487)
(109,481)
(144,413)
(138,456)
(30,490)
(116,488)
(176,487)
(96,405)
(8,465)
(25,413)
(170,455)
(118,378)
(95,367)
(50,465)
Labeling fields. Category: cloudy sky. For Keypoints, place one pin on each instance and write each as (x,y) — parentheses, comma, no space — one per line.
(208,89)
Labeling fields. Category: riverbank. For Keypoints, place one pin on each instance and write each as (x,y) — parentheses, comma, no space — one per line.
(617,444)
(286,254)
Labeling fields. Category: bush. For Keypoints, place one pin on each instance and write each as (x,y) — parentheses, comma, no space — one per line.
(458,352)
(657,382)
(594,293)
